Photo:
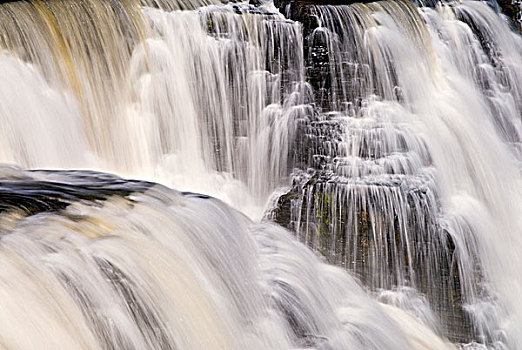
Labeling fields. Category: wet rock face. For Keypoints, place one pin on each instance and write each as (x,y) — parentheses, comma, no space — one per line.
(370,241)
(512,9)
(378,223)
(337,69)
(316,53)
(363,193)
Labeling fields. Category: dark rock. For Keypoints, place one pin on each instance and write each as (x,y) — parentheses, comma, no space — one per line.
(58,189)
(512,9)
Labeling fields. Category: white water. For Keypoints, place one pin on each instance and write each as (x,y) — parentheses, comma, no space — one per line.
(210,101)
(145,272)
(199,112)
(436,146)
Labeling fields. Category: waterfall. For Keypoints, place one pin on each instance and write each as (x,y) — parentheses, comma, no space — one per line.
(416,150)
(104,263)
(171,96)
(385,138)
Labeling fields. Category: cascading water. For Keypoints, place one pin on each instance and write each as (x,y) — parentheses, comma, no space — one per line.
(398,127)
(176,96)
(409,177)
